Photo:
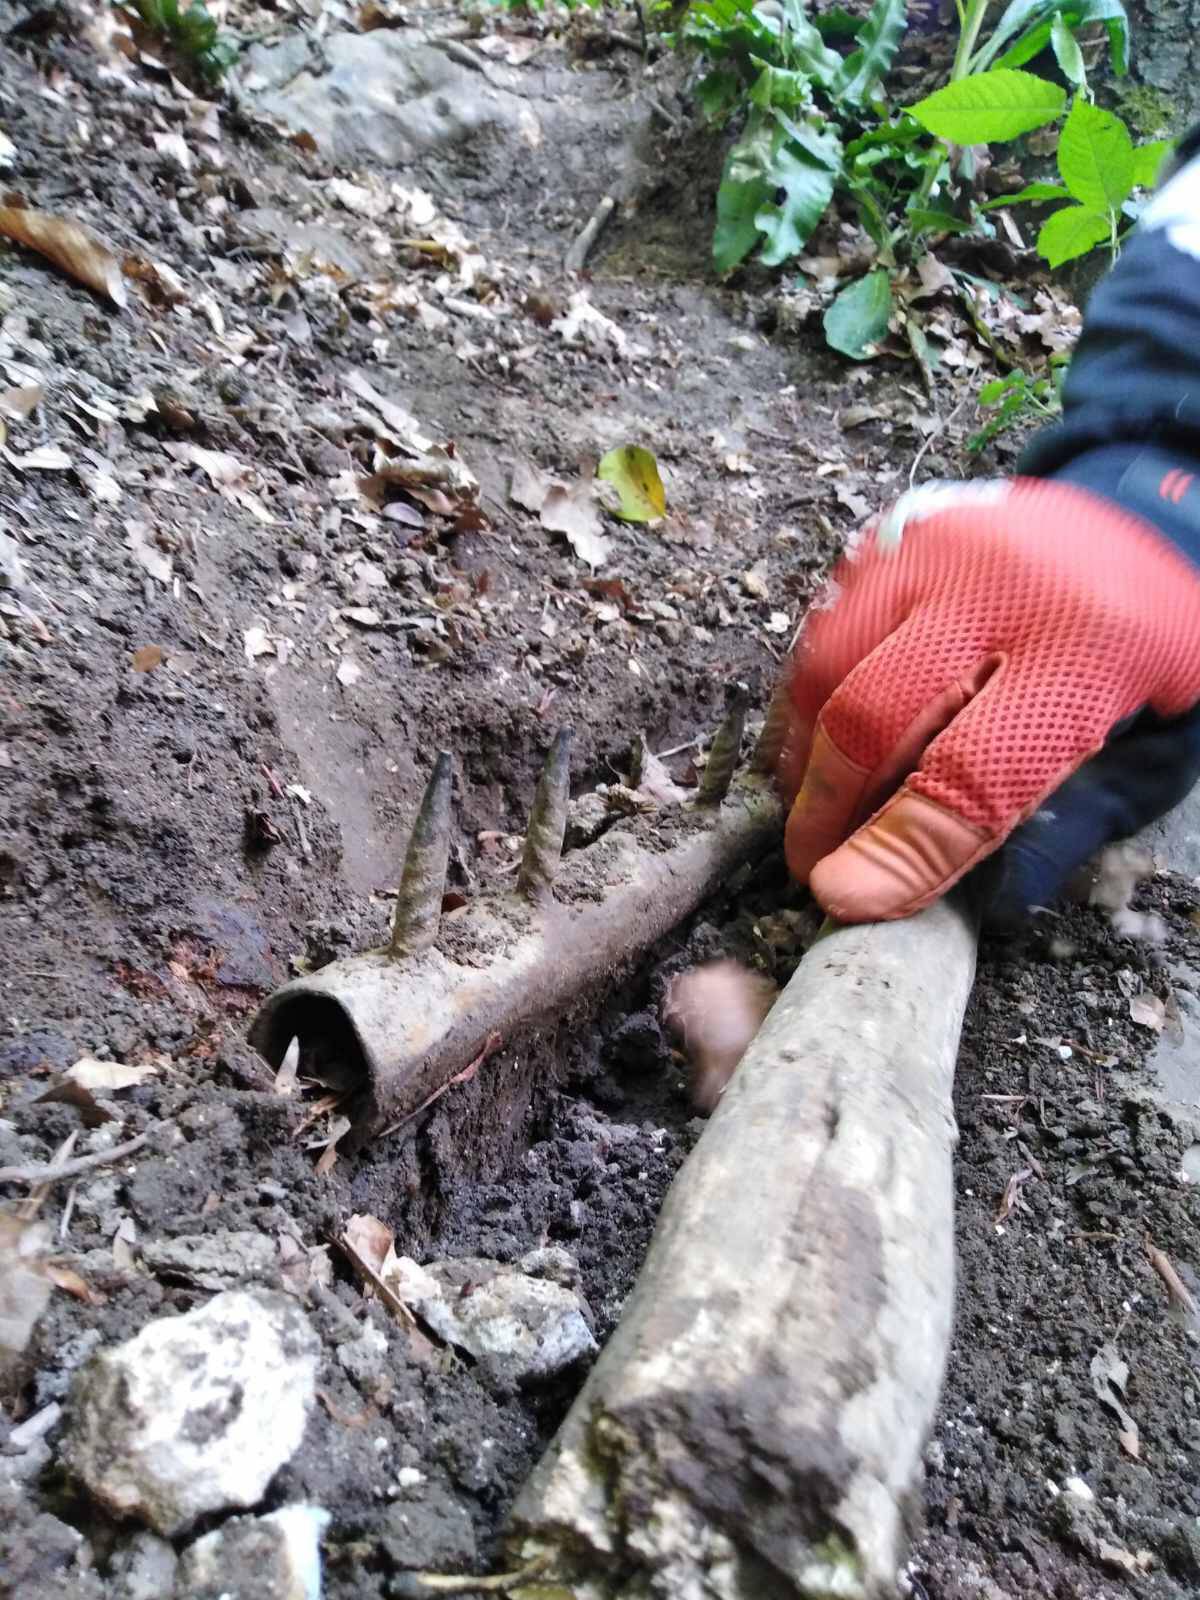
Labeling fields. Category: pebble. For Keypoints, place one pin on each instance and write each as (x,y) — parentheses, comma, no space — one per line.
(197,1413)
(276,1557)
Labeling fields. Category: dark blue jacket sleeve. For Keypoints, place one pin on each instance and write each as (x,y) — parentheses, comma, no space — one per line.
(1131,432)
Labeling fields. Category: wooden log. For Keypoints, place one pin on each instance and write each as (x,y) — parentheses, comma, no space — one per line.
(755,1425)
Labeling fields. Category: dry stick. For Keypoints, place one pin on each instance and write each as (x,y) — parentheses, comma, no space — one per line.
(756,1423)
(1177,1290)
(71,1169)
(931,438)
(578,252)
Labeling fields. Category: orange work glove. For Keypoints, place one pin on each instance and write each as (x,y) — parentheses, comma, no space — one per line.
(952,681)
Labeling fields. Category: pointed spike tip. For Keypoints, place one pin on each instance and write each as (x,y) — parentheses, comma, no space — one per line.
(547,821)
(725,749)
(769,749)
(423,882)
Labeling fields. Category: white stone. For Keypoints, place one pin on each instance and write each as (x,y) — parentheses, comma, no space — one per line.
(277,1557)
(197,1413)
(518,1328)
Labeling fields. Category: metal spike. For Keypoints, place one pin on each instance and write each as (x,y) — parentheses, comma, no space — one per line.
(547,820)
(774,732)
(423,881)
(726,747)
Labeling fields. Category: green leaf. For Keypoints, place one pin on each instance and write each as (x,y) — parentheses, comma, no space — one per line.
(778,86)
(927,219)
(1147,161)
(1067,53)
(990,107)
(1095,157)
(718,93)
(820,145)
(837,23)
(736,232)
(1029,23)
(891,137)
(789,221)
(857,318)
(1031,194)
(878,41)
(991,392)
(1071,232)
(1018,17)
(634,471)
(743,190)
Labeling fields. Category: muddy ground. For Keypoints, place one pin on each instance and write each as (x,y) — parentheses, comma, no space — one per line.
(227,669)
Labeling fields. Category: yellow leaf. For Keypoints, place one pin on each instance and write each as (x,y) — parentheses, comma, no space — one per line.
(70,246)
(634,473)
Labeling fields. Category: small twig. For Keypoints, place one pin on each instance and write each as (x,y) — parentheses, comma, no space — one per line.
(669,117)
(581,249)
(678,749)
(64,1224)
(1178,1291)
(301,830)
(931,438)
(71,1169)
(491,1045)
(276,786)
(421,1583)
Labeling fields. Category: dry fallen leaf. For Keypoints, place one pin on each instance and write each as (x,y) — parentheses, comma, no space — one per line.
(46,458)
(155,561)
(16,404)
(70,246)
(257,642)
(573,512)
(1148,1011)
(24,1287)
(285,1078)
(529,487)
(1110,1375)
(147,657)
(66,1278)
(108,1076)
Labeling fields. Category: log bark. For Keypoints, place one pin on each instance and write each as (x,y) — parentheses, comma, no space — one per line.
(755,1425)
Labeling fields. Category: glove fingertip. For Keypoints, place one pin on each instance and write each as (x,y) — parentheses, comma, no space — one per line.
(909,855)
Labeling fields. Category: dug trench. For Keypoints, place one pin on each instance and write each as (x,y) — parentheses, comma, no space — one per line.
(188,827)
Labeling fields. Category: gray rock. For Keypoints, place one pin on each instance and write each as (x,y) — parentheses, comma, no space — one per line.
(430,1528)
(213,1260)
(12,568)
(277,1557)
(381,100)
(1175,1060)
(363,1358)
(196,1413)
(552,1261)
(1175,838)
(519,1329)
(143,1569)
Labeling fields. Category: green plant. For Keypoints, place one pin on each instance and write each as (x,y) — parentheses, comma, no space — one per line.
(191,31)
(800,98)
(1100,167)
(1020,397)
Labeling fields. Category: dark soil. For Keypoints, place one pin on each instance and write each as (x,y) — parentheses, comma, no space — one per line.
(178,841)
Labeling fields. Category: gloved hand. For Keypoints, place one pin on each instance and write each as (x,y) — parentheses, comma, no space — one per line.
(1017,661)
